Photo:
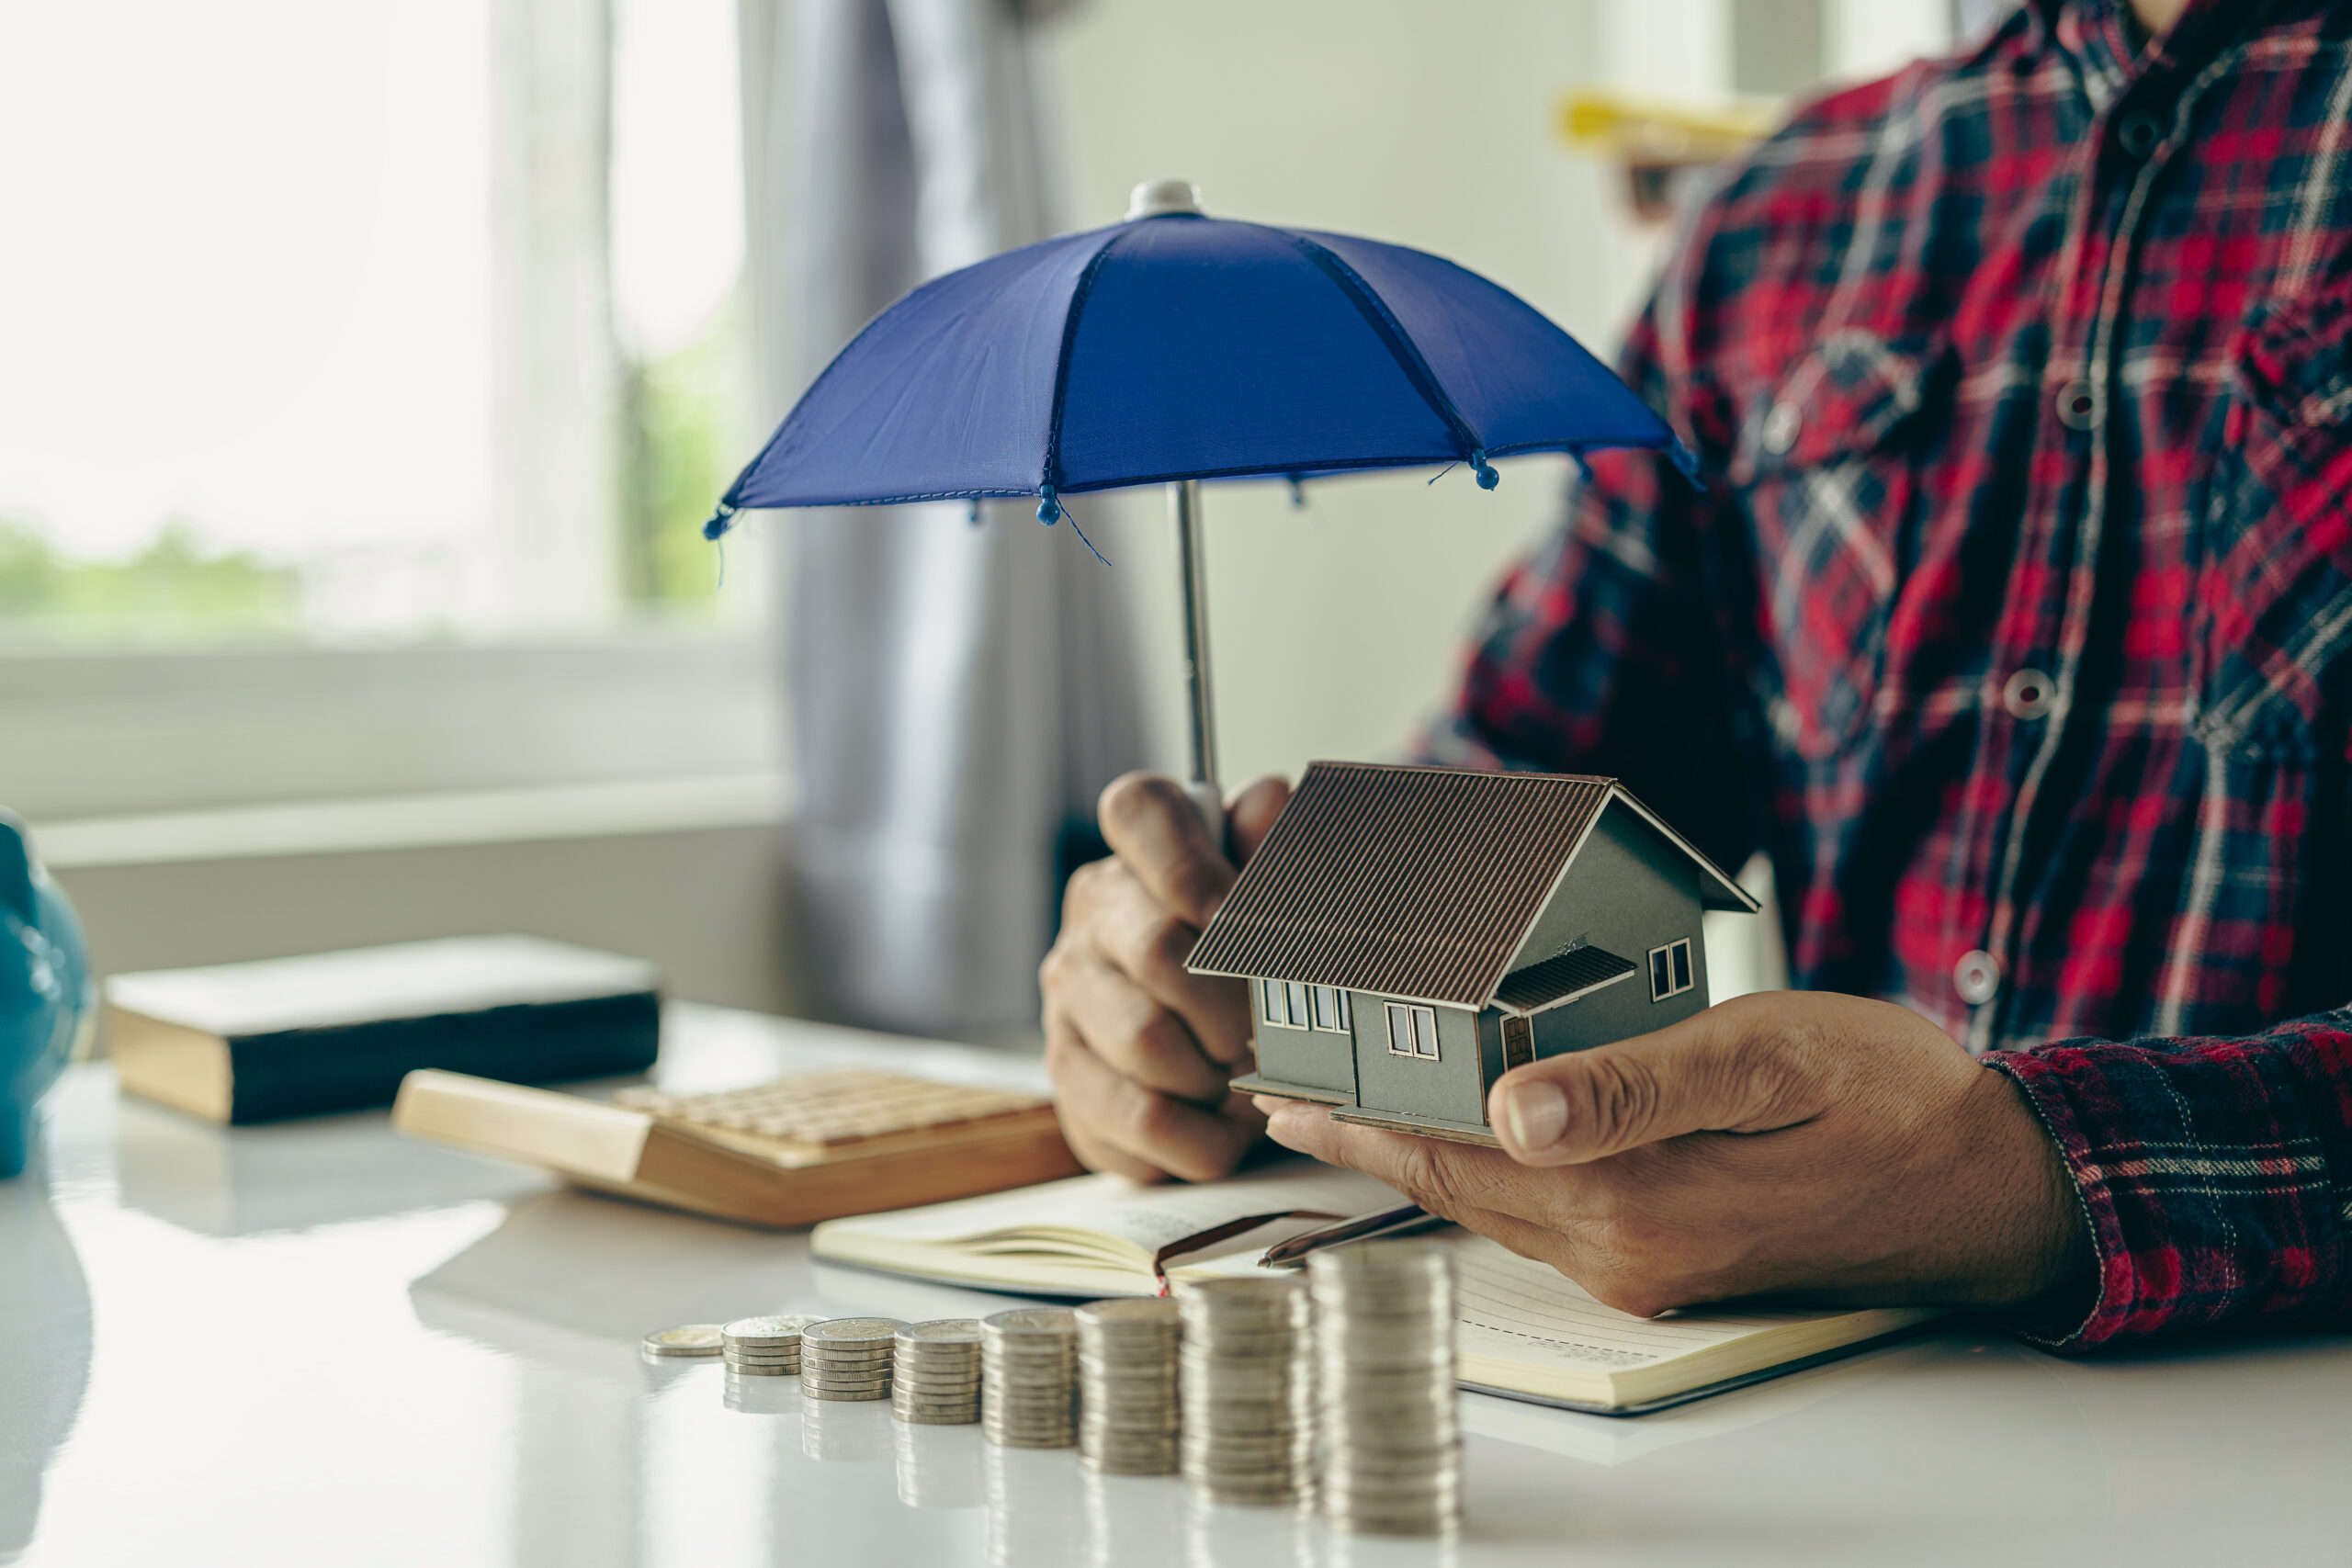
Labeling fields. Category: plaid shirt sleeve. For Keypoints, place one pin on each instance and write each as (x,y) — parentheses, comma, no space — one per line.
(2216,1175)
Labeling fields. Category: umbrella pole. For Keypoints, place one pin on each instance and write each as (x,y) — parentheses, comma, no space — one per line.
(1191,571)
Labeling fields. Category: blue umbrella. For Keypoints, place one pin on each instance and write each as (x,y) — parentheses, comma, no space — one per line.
(1173,348)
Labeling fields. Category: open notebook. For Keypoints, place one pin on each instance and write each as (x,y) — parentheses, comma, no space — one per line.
(1526,1332)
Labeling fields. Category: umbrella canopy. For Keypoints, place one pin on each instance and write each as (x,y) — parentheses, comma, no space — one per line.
(1178,346)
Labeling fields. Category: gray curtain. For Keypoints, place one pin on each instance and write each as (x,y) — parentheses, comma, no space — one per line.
(959,694)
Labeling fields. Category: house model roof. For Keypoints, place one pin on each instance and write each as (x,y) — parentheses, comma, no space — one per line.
(1418,883)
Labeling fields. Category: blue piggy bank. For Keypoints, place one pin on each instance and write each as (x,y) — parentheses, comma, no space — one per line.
(47,998)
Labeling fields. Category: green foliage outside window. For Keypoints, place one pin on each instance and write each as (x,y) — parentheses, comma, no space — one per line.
(676,459)
(174,588)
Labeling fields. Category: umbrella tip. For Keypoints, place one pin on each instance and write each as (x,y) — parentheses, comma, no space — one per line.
(1158,198)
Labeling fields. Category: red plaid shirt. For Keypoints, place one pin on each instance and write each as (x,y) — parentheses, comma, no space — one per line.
(2013,618)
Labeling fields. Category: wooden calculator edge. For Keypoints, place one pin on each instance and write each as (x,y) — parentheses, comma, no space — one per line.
(681,1168)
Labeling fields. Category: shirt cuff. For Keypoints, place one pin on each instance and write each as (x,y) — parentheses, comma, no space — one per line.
(2205,1171)
(2044,1090)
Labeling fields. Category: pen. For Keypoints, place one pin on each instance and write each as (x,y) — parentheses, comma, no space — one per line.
(1401,1221)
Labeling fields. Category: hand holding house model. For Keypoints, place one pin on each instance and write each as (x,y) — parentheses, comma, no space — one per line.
(1412,934)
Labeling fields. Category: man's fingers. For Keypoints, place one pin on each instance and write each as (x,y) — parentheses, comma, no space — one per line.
(1445,1179)
(1728,1069)
(1130,930)
(1115,1112)
(1251,816)
(1151,826)
(1591,1226)
(1128,1028)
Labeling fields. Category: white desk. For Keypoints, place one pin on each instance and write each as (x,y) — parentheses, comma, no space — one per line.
(319,1344)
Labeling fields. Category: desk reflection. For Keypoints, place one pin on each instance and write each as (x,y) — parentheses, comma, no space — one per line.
(291,1176)
(44,1347)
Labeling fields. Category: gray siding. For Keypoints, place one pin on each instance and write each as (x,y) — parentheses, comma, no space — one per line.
(1452,1087)
(1629,891)
(1314,1058)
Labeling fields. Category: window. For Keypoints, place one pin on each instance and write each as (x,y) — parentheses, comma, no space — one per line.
(1670,973)
(526,468)
(1330,1005)
(1282,1005)
(1412,1032)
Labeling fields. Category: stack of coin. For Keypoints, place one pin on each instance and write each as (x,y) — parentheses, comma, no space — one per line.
(765,1347)
(694,1339)
(1126,1386)
(1249,1431)
(1383,1351)
(1029,1378)
(847,1358)
(935,1380)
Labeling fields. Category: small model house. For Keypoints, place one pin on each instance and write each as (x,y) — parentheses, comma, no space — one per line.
(1410,934)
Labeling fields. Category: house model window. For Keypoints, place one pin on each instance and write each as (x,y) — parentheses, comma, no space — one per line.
(1329,1005)
(1284,1005)
(1412,1032)
(1671,970)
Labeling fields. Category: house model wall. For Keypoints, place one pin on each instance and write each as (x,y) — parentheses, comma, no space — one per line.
(1410,934)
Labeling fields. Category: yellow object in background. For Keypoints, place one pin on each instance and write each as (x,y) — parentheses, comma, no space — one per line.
(1660,144)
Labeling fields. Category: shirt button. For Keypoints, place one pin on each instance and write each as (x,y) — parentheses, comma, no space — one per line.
(2078,406)
(2139,133)
(2029,695)
(1781,428)
(1977,976)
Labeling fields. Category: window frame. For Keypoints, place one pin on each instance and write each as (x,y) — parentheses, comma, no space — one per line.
(1341,1022)
(1674,962)
(1415,1016)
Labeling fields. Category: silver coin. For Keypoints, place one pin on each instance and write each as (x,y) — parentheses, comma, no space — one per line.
(756,1372)
(1025,1321)
(692,1339)
(943,1332)
(937,1418)
(851,1333)
(845,1395)
(847,1355)
(777,1325)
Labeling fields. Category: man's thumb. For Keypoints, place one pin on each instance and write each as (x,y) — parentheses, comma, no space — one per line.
(1697,1075)
(1251,816)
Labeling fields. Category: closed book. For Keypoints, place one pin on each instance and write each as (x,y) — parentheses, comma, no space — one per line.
(240,1043)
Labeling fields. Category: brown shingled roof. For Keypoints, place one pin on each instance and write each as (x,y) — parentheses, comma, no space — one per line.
(1409,881)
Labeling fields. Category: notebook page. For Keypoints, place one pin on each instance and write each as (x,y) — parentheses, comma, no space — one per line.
(1514,1309)
(1147,1218)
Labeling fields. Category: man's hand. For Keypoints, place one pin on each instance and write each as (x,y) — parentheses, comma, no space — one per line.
(1807,1145)
(1141,1051)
